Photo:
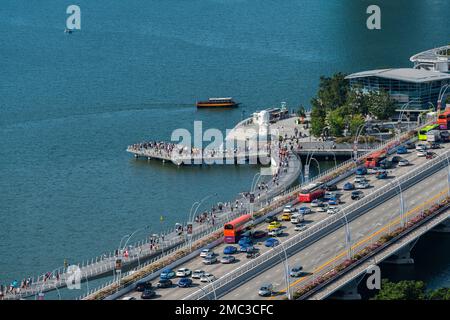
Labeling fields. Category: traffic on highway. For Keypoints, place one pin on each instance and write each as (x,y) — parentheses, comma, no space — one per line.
(314,203)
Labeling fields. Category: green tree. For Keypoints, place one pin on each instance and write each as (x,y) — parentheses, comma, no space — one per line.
(336,122)
(355,122)
(403,290)
(381,105)
(318,115)
(439,294)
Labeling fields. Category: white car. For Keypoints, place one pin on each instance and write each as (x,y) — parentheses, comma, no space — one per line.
(421,153)
(316,203)
(207,277)
(300,227)
(198,274)
(128,298)
(304,210)
(421,146)
(329,194)
(362,185)
(205,252)
(209,260)
(183,272)
(323,208)
(287,209)
(403,163)
(275,232)
(333,210)
(297,218)
(359,179)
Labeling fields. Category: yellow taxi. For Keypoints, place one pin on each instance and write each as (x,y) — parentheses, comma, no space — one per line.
(274,225)
(286,216)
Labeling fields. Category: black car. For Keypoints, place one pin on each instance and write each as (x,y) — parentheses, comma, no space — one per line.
(410,145)
(148,294)
(357,194)
(258,234)
(385,164)
(396,159)
(143,285)
(164,283)
(434,145)
(331,187)
(270,219)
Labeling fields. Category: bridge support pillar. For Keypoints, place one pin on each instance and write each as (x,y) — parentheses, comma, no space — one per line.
(443,227)
(403,256)
(349,291)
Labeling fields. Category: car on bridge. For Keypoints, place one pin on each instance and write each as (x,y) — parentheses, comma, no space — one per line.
(210,259)
(297,218)
(422,153)
(396,159)
(286,216)
(333,202)
(148,294)
(227,259)
(296,271)
(184,283)
(410,145)
(304,210)
(403,163)
(357,194)
(245,241)
(266,290)
(230,250)
(271,242)
(207,277)
(164,283)
(141,286)
(288,209)
(258,234)
(300,227)
(348,186)
(421,147)
(361,171)
(270,219)
(359,179)
(275,232)
(362,185)
(382,175)
(402,150)
(434,145)
(197,274)
(274,225)
(128,298)
(183,272)
(316,203)
(323,208)
(333,210)
(205,252)
(430,155)
(167,274)
(331,187)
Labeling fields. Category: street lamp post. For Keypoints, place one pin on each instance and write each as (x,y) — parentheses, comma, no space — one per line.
(286,268)
(442,92)
(348,238)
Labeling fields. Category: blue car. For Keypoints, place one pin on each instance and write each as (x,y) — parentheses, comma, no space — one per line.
(230,250)
(402,150)
(167,274)
(271,242)
(361,171)
(245,241)
(184,283)
(333,202)
(381,175)
(349,186)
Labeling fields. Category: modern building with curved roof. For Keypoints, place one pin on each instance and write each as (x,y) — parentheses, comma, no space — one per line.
(437,59)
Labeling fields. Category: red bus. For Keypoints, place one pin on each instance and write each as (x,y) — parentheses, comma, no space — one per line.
(374,159)
(444,120)
(310,193)
(232,229)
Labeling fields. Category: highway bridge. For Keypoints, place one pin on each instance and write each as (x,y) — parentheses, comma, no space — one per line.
(323,245)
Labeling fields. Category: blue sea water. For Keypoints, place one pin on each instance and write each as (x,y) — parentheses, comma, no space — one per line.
(70,104)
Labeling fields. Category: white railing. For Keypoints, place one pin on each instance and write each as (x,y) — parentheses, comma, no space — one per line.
(316,228)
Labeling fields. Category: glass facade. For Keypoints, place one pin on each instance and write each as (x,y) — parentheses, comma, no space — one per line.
(421,94)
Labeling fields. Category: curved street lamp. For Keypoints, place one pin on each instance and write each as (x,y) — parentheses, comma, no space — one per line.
(286,268)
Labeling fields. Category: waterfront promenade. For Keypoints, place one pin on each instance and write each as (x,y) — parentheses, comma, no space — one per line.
(155,247)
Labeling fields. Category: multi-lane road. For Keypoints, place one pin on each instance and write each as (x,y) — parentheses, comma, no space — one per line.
(317,253)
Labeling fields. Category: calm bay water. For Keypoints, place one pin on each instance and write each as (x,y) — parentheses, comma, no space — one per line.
(70,104)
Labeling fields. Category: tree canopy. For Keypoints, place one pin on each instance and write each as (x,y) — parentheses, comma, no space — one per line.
(339,107)
(410,290)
